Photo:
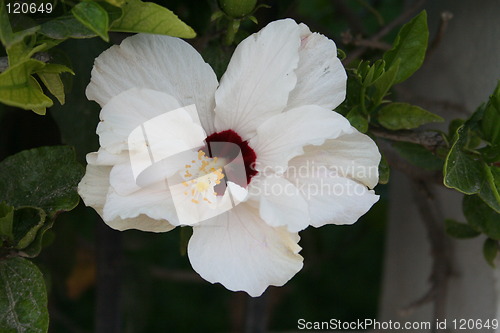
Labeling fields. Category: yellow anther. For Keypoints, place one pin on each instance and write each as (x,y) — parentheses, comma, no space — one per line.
(202,186)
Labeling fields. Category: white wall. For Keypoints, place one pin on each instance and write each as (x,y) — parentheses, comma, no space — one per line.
(463,71)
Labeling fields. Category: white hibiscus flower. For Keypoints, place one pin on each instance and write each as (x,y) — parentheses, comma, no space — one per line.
(305,164)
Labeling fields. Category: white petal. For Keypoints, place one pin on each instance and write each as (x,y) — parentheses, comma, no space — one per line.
(333,199)
(160,63)
(321,78)
(154,201)
(258,79)
(93,189)
(127,111)
(94,186)
(121,178)
(103,157)
(353,155)
(280,202)
(283,136)
(141,222)
(242,252)
(150,124)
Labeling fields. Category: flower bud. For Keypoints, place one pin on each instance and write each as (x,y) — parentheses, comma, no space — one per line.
(237,8)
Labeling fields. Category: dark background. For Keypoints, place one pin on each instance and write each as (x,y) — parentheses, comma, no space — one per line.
(150,283)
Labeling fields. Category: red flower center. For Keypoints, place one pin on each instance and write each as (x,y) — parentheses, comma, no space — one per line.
(228,152)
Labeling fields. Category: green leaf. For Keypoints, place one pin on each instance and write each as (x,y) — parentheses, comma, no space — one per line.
(18,88)
(461,171)
(481,217)
(21,52)
(148,17)
(237,8)
(7,37)
(66,27)
(374,73)
(114,12)
(116,3)
(385,82)
(409,46)
(490,154)
(490,124)
(44,177)
(490,251)
(93,16)
(55,69)
(490,188)
(357,119)
(383,171)
(418,156)
(54,84)
(23,297)
(27,222)
(396,116)
(460,230)
(6,219)
(453,128)
(35,247)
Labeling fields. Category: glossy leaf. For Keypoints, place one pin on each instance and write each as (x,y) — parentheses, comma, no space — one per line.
(93,16)
(23,297)
(44,177)
(461,171)
(481,217)
(148,17)
(460,230)
(397,116)
(490,188)
(409,46)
